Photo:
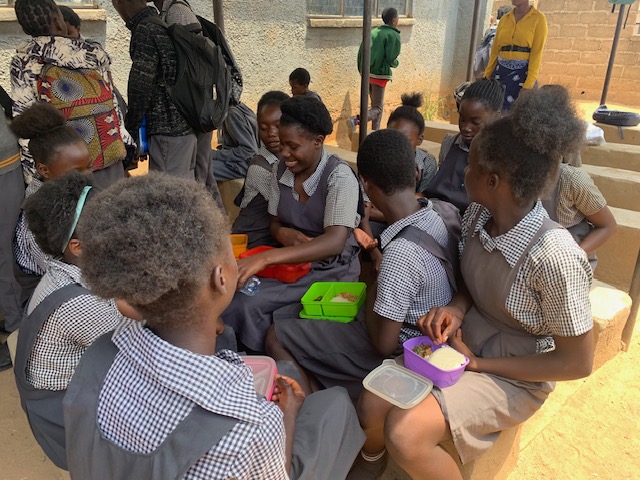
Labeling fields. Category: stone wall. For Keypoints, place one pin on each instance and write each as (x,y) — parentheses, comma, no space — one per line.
(578,46)
(271,38)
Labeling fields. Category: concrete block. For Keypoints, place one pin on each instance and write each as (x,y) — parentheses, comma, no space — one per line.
(229,190)
(613,155)
(630,135)
(436,131)
(617,257)
(610,309)
(621,188)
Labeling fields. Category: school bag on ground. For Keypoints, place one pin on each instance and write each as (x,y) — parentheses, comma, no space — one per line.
(481,57)
(203,85)
(86,100)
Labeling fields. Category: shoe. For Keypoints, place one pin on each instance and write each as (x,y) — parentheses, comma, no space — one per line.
(352,124)
(5,358)
(363,470)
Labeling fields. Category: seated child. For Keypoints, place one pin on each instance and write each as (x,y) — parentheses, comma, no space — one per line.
(57,149)
(314,208)
(64,318)
(254,197)
(578,205)
(480,106)
(299,81)
(416,274)
(524,318)
(72,21)
(408,120)
(153,400)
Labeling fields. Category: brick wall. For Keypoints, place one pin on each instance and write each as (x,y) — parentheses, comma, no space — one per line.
(578,46)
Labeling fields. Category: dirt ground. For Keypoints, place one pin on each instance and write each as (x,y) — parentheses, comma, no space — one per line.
(587,429)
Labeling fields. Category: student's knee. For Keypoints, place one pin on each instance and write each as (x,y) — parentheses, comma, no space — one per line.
(422,425)
(372,410)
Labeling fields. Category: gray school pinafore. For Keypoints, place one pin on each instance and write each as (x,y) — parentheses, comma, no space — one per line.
(578,231)
(250,317)
(448,183)
(481,405)
(43,407)
(93,457)
(254,220)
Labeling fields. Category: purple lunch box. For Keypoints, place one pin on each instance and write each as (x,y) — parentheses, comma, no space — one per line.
(418,364)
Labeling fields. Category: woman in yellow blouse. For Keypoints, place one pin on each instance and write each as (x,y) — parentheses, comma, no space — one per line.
(517,50)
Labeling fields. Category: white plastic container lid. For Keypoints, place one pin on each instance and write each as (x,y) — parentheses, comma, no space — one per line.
(397,385)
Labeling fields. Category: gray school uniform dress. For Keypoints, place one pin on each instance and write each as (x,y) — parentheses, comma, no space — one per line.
(254,219)
(207,424)
(448,182)
(250,317)
(417,273)
(526,285)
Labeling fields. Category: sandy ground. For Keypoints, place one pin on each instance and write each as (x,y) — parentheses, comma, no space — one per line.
(587,429)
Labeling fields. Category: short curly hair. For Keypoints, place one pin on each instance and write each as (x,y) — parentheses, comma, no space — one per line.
(308,113)
(273,97)
(526,147)
(46,128)
(301,76)
(35,16)
(150,241)
(51,210)
(411,102)
(387,159)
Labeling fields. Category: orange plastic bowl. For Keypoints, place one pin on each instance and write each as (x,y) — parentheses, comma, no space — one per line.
(285,273)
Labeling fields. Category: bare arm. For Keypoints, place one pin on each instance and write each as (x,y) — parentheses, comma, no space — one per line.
(383,333)
(605,228)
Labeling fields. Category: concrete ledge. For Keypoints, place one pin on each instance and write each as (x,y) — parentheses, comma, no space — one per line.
(352,22)
(89,14)
(610,309)
(436,131)
(621,188)
(614,155)
(612,134)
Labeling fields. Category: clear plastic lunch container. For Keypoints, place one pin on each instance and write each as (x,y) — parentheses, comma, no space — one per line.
(397,385)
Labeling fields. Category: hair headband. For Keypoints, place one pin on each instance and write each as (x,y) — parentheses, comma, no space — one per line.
(76,217)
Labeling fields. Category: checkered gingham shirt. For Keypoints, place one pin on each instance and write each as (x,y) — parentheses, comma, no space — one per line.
(29,256)
(259,180)
(68,331)
(550,295)
(341,207)
(411,280)
(152,386)
(578,197)
(426,164)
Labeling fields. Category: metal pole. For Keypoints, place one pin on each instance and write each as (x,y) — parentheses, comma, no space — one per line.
(218,15)
(634,293)
(366,63)
(474,40)
(612,57)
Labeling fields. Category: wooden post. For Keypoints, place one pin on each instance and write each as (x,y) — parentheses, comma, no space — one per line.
(474,40)
(634,293)
(218,15)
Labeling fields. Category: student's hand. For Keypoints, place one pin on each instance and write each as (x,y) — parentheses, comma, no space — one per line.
(440,323)
(290,237)
(364,240)
(376,258)
(457,343)
(250,266)
(288,395)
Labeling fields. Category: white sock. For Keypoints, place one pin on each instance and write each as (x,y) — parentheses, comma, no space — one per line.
(373,457)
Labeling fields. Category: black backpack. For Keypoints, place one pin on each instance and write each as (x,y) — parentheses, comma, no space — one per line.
(202,89)
(616,117)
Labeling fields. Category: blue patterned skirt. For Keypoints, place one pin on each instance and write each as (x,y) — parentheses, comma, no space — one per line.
(512,75)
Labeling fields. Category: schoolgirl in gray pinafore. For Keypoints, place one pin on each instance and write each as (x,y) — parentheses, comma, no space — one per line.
(448,182)
(254,219)
(481,405)
(249,316)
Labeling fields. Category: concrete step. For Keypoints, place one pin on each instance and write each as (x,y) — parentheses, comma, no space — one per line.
(630,135)
(621,188)
(613,155)
(617,257)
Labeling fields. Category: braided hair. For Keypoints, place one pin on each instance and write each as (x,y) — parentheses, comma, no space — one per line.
(411,102)
(488,92)
(35,16)
(46,128)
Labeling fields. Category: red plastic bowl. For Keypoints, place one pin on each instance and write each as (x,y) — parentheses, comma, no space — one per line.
(285,273)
